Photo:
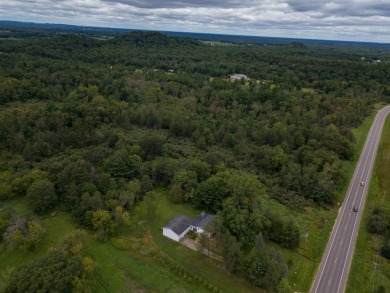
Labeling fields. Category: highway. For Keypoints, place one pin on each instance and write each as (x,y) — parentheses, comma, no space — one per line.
(333,271)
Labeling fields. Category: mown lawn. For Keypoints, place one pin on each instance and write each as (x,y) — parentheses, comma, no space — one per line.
(55,229)
(191,261)
(120,271)
(363,277)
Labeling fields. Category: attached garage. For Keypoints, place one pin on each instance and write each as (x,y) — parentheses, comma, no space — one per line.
(201,222)
(177,228)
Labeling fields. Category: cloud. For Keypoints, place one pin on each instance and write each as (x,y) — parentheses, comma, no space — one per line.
(364,20)
(357,8)
(155,4)
(303,6)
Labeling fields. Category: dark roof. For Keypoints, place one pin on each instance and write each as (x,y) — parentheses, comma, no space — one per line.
(203,220)
(178,224)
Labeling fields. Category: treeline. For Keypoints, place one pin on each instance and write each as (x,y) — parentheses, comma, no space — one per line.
(293,139)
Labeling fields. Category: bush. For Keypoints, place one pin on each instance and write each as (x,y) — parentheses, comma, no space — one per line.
(5,191)
(385,251)
(41,195)
(377,221)
(192,235)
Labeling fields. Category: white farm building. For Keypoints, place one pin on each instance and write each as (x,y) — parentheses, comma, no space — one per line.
(177,228)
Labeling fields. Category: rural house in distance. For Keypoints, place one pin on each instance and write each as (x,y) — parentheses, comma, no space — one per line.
(179,226)
(238,76)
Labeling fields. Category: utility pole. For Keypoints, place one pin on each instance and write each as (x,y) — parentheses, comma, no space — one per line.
(208,244)
(372,275)
(374,269)
(306,235)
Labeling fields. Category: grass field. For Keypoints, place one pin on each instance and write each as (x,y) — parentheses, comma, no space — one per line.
(55,229)
(117,270)
(363,277)
(120,271)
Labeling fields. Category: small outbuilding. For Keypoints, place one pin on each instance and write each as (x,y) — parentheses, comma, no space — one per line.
(177,228)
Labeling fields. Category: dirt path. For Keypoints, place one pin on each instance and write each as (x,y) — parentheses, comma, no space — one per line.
(192,245)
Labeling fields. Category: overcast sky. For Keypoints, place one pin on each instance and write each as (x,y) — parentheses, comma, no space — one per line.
(354,20)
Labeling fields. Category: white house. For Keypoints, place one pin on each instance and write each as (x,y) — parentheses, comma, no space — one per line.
(201,221)
(177,228)
(238,76)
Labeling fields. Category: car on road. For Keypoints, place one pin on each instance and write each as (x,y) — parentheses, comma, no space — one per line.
(362,183)
(355,209)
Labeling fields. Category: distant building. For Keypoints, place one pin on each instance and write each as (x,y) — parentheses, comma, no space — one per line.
(238,76)
(179,226)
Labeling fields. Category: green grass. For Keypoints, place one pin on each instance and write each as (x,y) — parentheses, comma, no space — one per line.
(119,271)
(55,229)
(19,206)
(361,277)
(192,261)
(303,261)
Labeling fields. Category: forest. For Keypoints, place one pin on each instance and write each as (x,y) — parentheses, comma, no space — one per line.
(92,125)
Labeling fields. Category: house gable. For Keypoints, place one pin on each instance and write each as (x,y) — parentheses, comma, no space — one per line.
(201,221)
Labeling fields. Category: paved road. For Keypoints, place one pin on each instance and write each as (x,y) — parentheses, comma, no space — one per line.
(333,272)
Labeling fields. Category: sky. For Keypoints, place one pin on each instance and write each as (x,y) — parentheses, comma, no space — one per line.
(348,20)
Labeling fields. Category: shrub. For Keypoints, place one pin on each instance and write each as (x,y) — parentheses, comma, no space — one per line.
(192,235)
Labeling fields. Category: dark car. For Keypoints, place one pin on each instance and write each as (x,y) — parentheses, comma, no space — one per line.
(355,209)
